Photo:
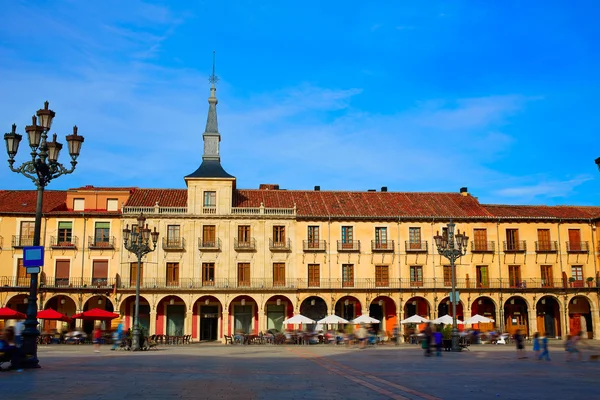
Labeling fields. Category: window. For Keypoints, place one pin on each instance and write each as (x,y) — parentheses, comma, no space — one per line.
(482,276)
(574,240)
(347,275)
(547,279)
(347,237)
(102,234)
(313,237)
(209,237)
(279,235)
(100,272)
(172,274)
(382,276)
(112,205)
(381,238)
(278,274)
(208,274)
(512,240)
(61,275)
(65,230)
(78,204)
(447,275)
(244,235)
(243,274)
(577,273)
(133,273)
(26,238)
(414,238)
(314,275)
(514,275)
(173,236)
(544,243)
(22,275)
(416,275)
(480,240)
(210,199)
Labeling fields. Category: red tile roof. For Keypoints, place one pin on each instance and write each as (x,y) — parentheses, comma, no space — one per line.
(24,201)
(103,189)
(164,197)
(564,212)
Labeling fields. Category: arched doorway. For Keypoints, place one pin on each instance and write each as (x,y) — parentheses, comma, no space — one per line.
(101,302)
(64,305)
(314,308)
(245,315)
(348,307)
(278,308)
(445,308)
(416,306)
(18,303)
(127,310)
(170,316)
(547,312)
(486,307)
(516,316)
(207,320)
(580,317)
(383,308)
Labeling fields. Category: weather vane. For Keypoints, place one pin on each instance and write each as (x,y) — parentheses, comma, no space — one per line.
(213,78)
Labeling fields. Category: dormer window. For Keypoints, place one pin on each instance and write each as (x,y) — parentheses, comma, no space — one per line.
(210,199)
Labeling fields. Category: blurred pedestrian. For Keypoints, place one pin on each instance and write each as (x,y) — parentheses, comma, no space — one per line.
(97,337)
(426,344)
(536,344)
(11,351)
(118,336)
(544,347)
(438,338)
(520,342)
(19,326)
(571,346)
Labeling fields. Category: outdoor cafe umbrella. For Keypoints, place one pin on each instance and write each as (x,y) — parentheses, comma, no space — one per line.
(446,320)
(365,319)
(96,314)
(478,319)
(333,319)
(8,313)
(299,319)
(53,315)
(415,319)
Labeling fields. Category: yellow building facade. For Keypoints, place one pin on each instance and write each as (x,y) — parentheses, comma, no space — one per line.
(233,259)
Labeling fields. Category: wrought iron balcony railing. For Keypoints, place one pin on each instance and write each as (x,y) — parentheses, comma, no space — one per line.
(483,246)
(577,247)
(173,243)
(285,245)
(209,245)
(63,243)
(382,245)
(547,246)
(415,247)
(101,243)
(244,245)
(517,246)
(348,245)
(21,241)
(314,245)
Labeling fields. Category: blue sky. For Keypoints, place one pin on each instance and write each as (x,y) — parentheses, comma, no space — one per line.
(501,97)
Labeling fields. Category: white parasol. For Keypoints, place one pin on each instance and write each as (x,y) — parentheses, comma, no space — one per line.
(446,320)
(333,319)
(365,319)
(415,319)
(478,319)
(299,319)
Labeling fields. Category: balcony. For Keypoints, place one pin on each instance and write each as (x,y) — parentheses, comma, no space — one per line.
(209,245)
(517,246)
(314,245)
(21,241)
(415,247)
(382,245)
(546,246)
(209,210)
(244,245)
(101,243)
(173,243)
(50,282)
(285,245)
(347,246)
(482,247)
(61,243)
(577,247)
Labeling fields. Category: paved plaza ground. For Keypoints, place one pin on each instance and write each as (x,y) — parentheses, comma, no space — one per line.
(215,371)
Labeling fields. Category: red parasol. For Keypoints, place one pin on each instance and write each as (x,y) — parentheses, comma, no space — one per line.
(52,314)
(7,313)
(96,314)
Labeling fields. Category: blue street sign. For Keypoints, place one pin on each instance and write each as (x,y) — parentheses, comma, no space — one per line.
(457,297)
(33,256)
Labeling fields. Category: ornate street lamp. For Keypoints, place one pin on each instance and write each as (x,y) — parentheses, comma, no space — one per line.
(41,169)
(452,250)
(137,241)
(598,162)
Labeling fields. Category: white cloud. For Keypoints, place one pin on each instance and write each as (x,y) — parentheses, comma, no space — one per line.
(544,189)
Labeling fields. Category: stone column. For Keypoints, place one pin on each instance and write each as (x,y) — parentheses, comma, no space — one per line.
(262,320)
(152,329)
(187,330)
(225,317)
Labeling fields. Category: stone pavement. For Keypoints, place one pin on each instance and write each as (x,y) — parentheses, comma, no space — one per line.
(214,371)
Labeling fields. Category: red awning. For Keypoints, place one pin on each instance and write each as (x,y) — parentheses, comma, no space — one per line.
(8,313)
(52,314)
(96,314)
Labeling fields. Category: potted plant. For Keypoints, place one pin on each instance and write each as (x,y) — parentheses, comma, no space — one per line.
(447,337)
(571,280)
(589,281)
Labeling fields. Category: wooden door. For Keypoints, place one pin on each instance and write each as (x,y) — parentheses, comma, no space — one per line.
(61,276)
(133,274)
(574,324)
(544,240)
(480,239)
(172,274)
(574,239)
(209,236)
(22,275)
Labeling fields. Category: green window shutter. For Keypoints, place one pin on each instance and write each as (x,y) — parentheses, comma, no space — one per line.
(65,225)
(102,225)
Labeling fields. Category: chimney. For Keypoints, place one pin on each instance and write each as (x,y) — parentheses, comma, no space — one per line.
(317,188)
(372,190)
(268,186)
(384,188)
(464,191)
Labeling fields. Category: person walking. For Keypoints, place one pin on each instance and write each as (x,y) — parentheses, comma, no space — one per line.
(396,335)
(520,341)
(438,339)
(361,335)
(8,347)
(544,346)
(117,336)
(19,326)
(536,344)
(97,336)
(427,340)
(571,346)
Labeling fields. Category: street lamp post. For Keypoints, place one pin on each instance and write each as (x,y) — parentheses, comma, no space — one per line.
(447,247)
(41,169)
(140,246)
